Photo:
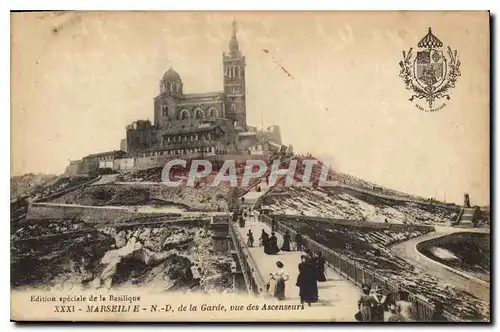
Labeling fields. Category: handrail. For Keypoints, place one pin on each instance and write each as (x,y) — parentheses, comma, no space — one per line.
(251,273)
(358,274)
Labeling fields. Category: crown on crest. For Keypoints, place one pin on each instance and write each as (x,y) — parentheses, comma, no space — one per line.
(430,41)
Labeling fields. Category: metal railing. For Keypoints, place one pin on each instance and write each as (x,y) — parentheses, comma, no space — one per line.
(253,278)
(421,310)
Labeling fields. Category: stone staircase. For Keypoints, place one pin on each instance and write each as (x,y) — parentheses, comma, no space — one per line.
(465,217)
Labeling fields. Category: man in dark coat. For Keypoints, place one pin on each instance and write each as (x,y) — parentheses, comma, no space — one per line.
(250,238)
(241,221)
(298,240)
(286,242)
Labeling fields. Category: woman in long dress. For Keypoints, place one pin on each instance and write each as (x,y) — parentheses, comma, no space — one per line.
(272,244)
(320,265)
(286,242)
(365,304)
(306,281)
(279,278)
(264,239)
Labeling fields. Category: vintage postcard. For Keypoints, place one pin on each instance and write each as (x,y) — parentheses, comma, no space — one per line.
(250,166)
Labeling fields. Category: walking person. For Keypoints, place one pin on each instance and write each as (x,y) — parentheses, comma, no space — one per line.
(306,281)
(272,245)
(320,266)
(241,221)
(365,304)
(286,242)
(298,241)
(378,308)
(251,214)
(264,239)
(277,282)
(250,238)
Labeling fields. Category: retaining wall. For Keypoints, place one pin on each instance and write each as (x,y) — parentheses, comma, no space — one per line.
(90,214)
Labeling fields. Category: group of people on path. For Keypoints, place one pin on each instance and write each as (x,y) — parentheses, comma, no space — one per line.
(372,305)
(375,302)
(311,271)
(270,243)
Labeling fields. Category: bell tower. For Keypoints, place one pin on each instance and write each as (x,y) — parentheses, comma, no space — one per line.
(234,82)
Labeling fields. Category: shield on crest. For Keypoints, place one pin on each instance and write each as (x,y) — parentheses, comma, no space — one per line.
(430,68)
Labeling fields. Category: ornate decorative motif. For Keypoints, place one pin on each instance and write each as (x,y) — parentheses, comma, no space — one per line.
(430,74)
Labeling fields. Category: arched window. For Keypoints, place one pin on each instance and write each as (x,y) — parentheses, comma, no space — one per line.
(237,72)
(184,114)
(198,113)
(164,110)
(212,112)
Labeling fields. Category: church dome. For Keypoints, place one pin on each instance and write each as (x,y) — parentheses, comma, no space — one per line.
(171,83)
(171,76)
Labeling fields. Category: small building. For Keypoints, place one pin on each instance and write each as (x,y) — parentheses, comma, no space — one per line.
(104,159)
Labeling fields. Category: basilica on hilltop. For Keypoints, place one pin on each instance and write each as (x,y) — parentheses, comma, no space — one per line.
(189,124)
(192,125)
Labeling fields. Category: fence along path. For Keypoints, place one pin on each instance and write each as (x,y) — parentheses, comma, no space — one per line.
(420,309)
(337,296)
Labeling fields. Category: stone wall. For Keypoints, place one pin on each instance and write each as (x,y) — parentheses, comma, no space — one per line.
(90,214)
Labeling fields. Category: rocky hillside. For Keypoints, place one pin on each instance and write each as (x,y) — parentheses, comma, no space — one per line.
(203,197)
(343,203)
(61,254)
(26,183)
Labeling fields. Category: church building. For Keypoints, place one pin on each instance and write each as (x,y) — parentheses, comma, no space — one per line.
(197,125)
(186,124)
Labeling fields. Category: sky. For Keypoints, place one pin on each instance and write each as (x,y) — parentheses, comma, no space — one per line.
(79,78)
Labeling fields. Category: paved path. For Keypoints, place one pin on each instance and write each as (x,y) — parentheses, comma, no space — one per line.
(338,296)
(105,179)
(408,251)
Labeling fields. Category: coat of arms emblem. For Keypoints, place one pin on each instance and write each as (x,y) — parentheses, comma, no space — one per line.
(430,73)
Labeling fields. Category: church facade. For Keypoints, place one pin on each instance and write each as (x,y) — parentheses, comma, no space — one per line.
(199,123)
